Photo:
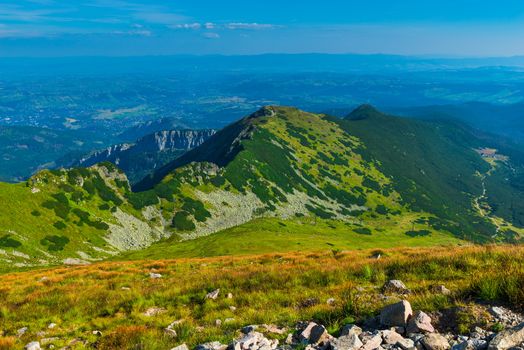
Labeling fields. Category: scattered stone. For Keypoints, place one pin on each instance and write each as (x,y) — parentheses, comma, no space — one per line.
(441,289)
(229,320)
(350,329)
(97,333)
(229,295)
(233,308)
(271,328)
(125,288)
(180,347)
(154,275)
(309,302)
(391,337)
(169,330)
(51,325)
(508,338)
(313,334)
(471,344)
(213,295)
(218,322)
(347,342)
(331,301)
(45,341)
(153,311)
(21,331)
(405,344)
(396,314)
(396,287)
(211,346)
(370,340)
(249,329)
(254,340)
(435,341)
(420,323)
(34,345)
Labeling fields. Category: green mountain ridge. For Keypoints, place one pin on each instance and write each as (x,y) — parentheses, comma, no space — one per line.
(280,178)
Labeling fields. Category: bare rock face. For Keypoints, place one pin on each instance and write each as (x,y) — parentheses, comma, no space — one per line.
(508,339)
(420,323)
(396,314)
(434,341)
(395,287)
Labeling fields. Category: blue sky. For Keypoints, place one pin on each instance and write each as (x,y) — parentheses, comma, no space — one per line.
(138,27)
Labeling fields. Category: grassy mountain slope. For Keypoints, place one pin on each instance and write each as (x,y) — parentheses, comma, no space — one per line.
(435,167)
(281,180)
(69,216)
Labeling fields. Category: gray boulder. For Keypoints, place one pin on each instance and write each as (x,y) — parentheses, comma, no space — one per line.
(350,329)
(313,334)
(395,286)
(370,340)
(396,314)
(391,337)
(420,323)
(346,342)
(508,338)
(434,341)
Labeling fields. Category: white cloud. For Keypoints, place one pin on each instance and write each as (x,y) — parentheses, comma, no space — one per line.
(241,25)
(211,35)
(209,25)
(186,26)
(133,32)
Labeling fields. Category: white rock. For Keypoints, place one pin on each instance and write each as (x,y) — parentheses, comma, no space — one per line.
(154,275)
(180,347)
(213,295)
(153,311)
(34,345)
(51,325)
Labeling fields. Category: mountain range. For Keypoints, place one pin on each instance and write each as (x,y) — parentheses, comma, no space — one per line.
(278,179)
(148,153)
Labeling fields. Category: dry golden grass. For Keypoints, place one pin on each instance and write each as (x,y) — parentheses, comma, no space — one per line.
(272,288)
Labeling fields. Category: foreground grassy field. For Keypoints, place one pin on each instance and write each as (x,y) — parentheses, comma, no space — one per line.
(112,297)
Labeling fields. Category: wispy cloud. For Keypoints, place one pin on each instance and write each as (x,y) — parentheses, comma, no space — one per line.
(211,35)
(230,26)
(240,25)
(186,26)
